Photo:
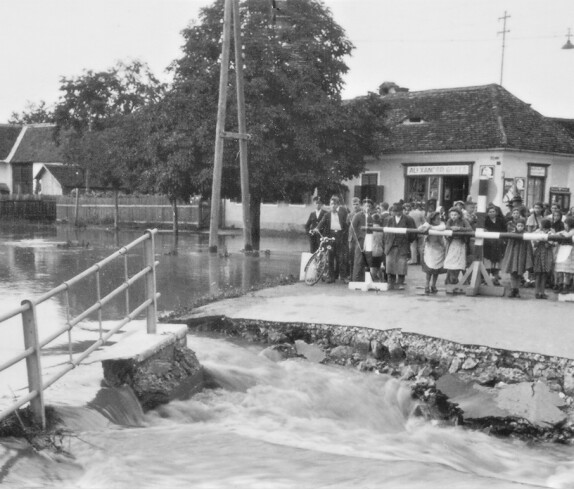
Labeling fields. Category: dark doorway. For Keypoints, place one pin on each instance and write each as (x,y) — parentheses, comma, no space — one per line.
(454,188)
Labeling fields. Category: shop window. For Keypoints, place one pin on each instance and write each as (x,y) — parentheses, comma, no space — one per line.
(417,189)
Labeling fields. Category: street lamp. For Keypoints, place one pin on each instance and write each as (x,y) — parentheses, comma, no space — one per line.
(568,44)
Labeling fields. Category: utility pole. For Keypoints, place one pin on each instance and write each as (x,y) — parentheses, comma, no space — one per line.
(242,126)
(231,7)
(220,125)
(503,32)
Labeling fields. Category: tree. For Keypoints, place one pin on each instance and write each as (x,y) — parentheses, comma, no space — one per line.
(90,101)
(168,162)
(98,124)
(33,114)
(303,135)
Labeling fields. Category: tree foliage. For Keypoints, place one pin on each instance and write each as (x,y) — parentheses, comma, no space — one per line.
(33,114)
(303,135)
(93,100)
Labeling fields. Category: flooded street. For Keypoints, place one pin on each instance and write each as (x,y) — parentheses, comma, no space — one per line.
(35,259)
(292,424)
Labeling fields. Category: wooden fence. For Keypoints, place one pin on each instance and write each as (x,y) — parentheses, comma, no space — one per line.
(141,209)
(145,209)
(27,207)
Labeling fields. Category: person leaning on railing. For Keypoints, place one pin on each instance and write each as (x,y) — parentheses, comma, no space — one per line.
(397,248)
(493,249)
(455,261)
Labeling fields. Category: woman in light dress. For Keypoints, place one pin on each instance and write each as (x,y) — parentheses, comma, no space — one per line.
(434,251)
(565,258)
(455,260)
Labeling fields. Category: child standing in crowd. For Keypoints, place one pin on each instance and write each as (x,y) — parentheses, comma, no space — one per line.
(455,260)
(433,252)
(517,257)
(565,258)
(543,259)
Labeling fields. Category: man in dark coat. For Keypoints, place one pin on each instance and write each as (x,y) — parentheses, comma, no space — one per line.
(397,248)
(312,222)
(334,224)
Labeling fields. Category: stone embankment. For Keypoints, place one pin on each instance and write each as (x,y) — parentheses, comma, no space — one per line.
(501,392)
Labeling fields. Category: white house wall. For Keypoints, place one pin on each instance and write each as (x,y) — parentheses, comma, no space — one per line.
(6,175)
(50,185)
(506,164)
(278,217)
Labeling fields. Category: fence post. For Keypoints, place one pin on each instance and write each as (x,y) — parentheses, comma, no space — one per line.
(149,256)
(33,363)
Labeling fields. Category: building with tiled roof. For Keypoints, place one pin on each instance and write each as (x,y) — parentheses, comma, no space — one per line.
(439,141)
(22,148)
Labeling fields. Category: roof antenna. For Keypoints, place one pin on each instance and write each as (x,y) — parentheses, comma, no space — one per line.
(503,32)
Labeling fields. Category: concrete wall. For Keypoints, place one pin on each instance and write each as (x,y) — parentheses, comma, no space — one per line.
(277,217)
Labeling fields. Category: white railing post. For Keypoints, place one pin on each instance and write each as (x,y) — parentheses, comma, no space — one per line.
(33,363)
(149,257)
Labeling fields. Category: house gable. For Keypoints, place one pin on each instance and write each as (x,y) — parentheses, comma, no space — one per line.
(38,145)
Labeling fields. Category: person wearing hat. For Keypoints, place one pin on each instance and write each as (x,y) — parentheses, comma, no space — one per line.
(455,260)
(397,248)
(355,209)
(312,222)
(358,232)
(335,225)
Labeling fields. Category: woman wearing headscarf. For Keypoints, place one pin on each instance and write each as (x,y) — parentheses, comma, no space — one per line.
(455,261)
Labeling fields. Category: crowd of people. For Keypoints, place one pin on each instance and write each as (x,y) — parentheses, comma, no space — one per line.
(361,247)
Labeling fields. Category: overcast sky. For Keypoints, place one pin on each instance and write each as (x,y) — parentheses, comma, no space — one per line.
(419,44)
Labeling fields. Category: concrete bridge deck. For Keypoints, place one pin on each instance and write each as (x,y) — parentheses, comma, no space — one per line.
(518,324)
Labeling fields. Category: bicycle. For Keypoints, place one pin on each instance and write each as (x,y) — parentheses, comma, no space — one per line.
(318,265)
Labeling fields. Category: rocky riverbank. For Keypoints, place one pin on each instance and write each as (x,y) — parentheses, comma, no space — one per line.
(504,393)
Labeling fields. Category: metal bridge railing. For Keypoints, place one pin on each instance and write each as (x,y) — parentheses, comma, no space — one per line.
(33,346)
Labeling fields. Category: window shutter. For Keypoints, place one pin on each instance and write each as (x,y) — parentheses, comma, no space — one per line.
(380,193)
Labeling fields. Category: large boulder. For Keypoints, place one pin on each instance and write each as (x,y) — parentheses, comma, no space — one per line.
(311,352)
(533,401)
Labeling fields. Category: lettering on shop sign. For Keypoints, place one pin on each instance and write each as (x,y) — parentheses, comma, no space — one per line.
(438,170)
(537,171)
(560,190)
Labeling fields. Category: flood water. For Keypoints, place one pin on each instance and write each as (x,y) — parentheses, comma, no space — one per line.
(292,424)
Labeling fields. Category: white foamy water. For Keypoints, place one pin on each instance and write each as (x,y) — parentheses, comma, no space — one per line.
(284,425)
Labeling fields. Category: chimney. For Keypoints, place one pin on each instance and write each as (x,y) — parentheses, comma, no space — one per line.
(387,88)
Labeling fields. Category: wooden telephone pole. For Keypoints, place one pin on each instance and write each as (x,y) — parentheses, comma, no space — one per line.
(231,7)
(504,31)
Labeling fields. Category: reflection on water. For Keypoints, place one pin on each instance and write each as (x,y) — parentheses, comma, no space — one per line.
(34,259)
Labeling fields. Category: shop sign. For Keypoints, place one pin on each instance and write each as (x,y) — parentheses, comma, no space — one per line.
(560,190)
(438,170)
(537,171)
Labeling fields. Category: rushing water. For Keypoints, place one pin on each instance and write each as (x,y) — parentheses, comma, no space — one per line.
(268,425)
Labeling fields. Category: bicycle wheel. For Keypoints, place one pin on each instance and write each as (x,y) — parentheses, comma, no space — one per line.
(315,268)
